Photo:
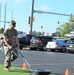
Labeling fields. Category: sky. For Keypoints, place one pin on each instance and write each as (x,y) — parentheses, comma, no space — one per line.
(22,10)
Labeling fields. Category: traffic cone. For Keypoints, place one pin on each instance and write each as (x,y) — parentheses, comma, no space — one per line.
(24,66)
(67,72)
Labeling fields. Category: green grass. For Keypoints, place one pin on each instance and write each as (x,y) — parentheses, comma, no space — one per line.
(62,38)
(17,71)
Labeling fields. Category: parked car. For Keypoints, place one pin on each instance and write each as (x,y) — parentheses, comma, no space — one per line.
(70,45)
(1,41)
(24,40)
(59,45)
(67,35)
(39,42)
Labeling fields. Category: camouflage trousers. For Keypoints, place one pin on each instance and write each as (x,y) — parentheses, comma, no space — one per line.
(10,55)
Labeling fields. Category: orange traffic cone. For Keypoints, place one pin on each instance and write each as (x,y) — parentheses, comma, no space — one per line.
(24,66)
(67,72)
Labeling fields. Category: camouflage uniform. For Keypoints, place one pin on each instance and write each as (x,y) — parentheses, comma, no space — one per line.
(10,54)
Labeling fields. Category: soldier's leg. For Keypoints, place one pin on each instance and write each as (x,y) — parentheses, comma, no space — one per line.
(7,62)
(14,54)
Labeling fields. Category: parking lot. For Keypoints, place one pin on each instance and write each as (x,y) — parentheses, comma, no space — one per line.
(57,62)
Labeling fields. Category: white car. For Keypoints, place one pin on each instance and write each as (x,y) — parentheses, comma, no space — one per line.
(68,35)
(59,45)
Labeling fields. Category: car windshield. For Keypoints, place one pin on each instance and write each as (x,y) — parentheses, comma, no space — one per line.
(21,35)
(71,41)
(53,39)
(29,36)
(37,38)
(49,38)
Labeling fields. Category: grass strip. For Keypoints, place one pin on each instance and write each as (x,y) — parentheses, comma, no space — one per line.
(17,71)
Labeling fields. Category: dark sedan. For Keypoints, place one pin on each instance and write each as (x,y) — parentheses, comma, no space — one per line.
(39,42)
(70,45)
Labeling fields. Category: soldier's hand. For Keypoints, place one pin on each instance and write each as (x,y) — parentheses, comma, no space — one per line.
(10,47)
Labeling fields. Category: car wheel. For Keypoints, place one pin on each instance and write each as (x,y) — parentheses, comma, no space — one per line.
(68,51)
(63,49)
(32,48)
(48,49)
(41,49)
(71,51)
(44,48)
(21,47)
(53,50)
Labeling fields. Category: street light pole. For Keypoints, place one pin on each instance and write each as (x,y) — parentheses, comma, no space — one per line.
(32,17)
(5,16)
(0,12)
(12,13)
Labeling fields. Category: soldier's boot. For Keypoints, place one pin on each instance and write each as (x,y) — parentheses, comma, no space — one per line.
(7,69)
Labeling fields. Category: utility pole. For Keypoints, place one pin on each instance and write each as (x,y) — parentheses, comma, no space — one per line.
(5,16)
(12,13)
(32,17)
(0,12)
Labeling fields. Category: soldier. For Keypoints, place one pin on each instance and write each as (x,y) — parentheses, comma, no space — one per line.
(10,47)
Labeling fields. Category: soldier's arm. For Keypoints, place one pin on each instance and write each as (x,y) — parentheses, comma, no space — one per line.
(17,41)
(5,41)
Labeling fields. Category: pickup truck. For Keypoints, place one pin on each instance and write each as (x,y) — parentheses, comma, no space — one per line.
(24,40)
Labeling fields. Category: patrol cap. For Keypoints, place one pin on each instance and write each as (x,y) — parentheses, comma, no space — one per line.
(13,23)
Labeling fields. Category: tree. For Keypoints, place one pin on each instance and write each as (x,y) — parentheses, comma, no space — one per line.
(66,27)
(1,30)
(42,33)
(38,33)
(34,32)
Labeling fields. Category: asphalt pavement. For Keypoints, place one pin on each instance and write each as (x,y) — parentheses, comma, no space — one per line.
(55,61)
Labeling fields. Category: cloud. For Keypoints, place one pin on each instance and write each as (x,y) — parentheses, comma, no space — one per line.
(42,7)
(20,1)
